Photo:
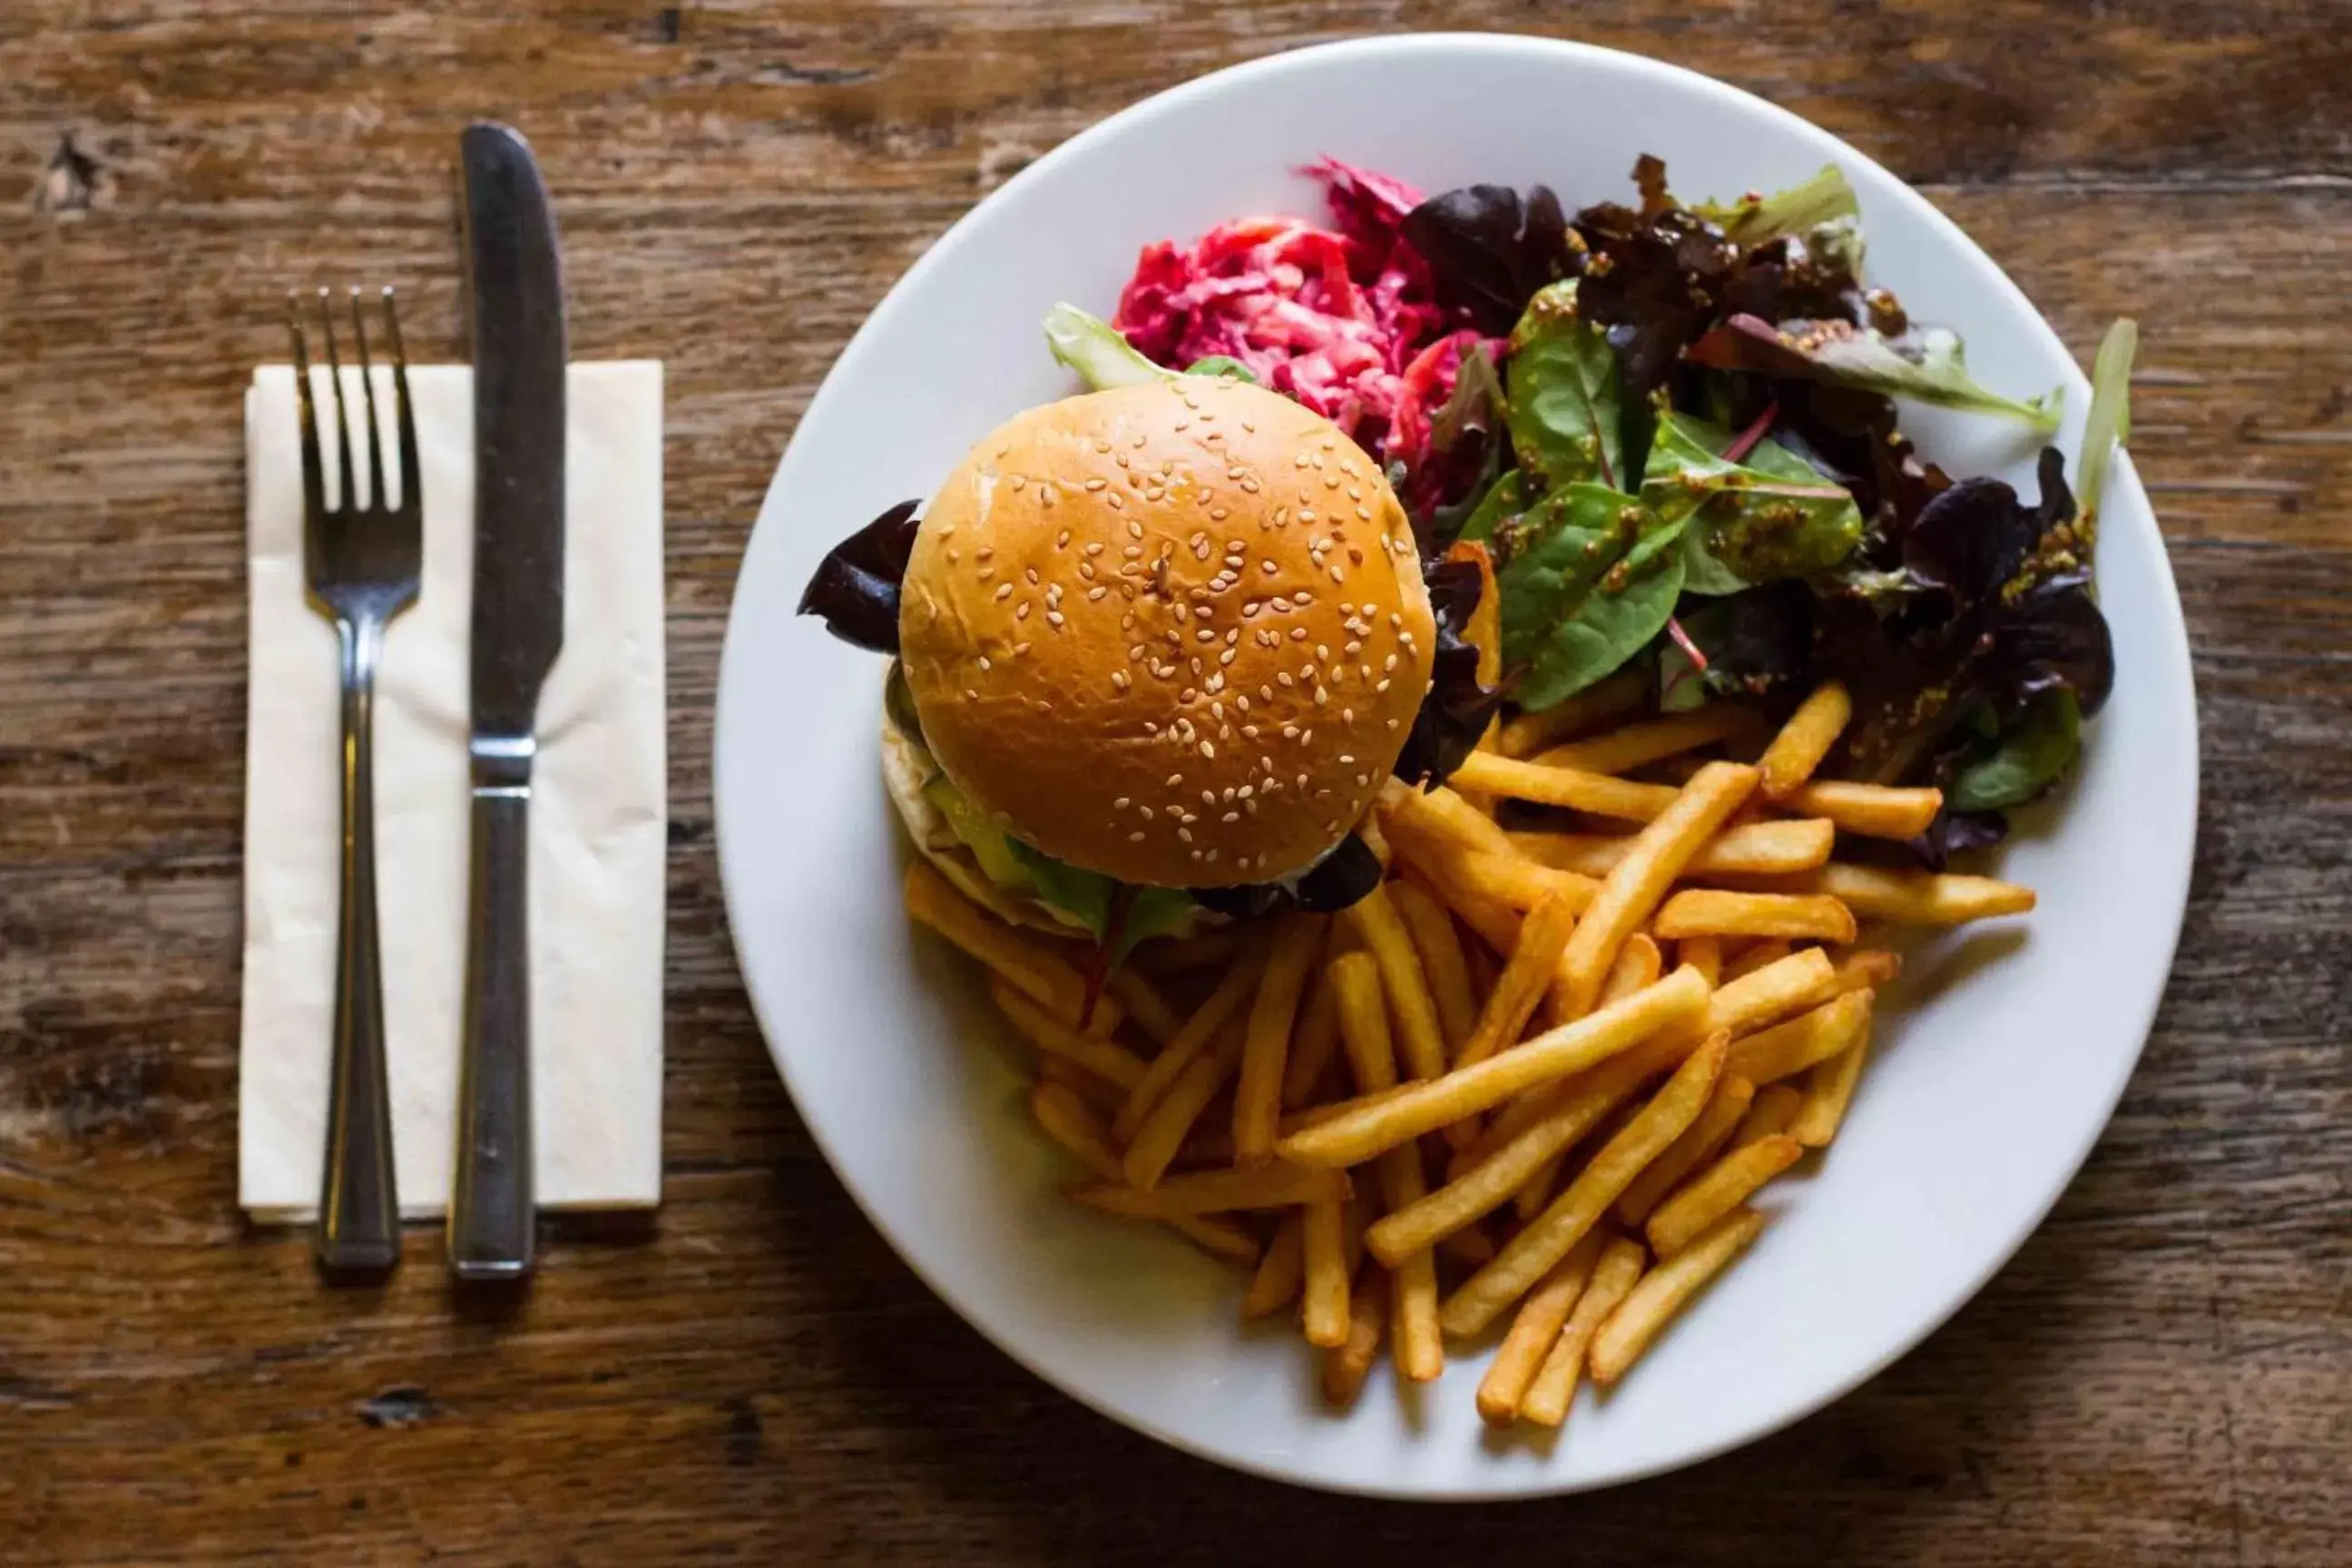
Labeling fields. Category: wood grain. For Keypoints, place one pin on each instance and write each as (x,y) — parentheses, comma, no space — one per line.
(2163,1374)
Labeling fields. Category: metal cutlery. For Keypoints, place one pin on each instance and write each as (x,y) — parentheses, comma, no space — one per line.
(361,563)
(515,298)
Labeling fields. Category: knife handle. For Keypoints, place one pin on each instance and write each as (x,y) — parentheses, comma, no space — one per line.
(491,1218)
(359,1206)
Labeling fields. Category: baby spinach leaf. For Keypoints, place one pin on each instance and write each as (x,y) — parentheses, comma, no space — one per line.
(2027,761)
(1566,397)
(1504,499)
(1771,516)
(1925,363)
(1589,577)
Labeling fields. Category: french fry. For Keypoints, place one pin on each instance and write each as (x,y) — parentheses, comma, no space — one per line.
(1741,1006)
(1786,1049)
(1371,1053)
(1046,978)
(1219,1192)
(1775,846)
(1438,861)
(1866,969)
(1534,1331)
(1469,1246)
(1829,1090)
(1444,814)
(1163,1128)
(1439,946)
(1663,1291)
(1596,705)
(1239,984)
(1634,886)
(1110,1062)
(1516,882)
(1484,630)
(1078,1128)
(1873,811)
(1361,1133)
(1525,978)
(1324,1306)
(1805,740)
(1538,1189)
(1705,1138)
(1916,898)
(1316,1046)
(1713,912)
(1768,1114)
(1100,1093)
(1571,787)
(1546,1240)
(1759,955)
(1704,953)
(1281,1269)
(1346,1367)
(1420,1043)
(1164,956)
(1638,964)
(1265,1039)
(1146,1005)
(1554,1388)
(1717,1191)
(1368,829)
(1631,746)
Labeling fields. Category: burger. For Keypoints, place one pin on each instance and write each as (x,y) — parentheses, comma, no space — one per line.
(1158,650)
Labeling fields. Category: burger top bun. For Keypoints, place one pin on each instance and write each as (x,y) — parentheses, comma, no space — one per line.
(1173,632)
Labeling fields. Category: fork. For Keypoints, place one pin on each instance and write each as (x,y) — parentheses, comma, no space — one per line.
(361,563)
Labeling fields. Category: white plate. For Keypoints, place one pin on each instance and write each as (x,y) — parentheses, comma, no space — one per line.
(1992,1080)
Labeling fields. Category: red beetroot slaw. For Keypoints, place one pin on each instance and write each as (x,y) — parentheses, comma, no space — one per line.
(1344,320)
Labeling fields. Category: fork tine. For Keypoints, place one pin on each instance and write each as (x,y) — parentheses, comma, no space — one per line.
(412,474)
(367,393)
(314,489)
(342,420)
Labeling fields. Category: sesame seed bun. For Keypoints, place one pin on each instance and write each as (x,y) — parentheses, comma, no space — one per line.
(1175,633)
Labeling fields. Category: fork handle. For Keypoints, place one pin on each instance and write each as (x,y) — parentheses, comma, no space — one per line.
(490,1210)
(359,1203)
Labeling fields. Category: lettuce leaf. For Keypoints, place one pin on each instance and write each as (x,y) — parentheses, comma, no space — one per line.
(2108,423)
(1094,348)
(1925,363)
(2026,760)
(1809,205)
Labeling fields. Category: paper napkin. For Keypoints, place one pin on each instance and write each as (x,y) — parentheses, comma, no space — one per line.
(598,816)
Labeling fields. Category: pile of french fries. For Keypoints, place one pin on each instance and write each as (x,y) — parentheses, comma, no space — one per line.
(1535,1076)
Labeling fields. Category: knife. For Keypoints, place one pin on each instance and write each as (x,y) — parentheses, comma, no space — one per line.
(515,299)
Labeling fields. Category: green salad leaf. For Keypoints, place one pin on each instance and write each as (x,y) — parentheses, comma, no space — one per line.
(1504,499)
(1092,898)
(1808,205)
(1589,576)
(1565,398)
(1771,515)
(1094,348)
(1926,365)
(2108,423)
(2030,757)
(1224,366)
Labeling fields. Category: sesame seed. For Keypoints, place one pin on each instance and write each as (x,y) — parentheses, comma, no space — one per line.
(1055,617)
(1119,505)
(1096,592)
(1208,751)
(1004,591)
(1134,529)
(985,553)
(1213,857)
(983,662)
(1299,634)
(1023,612)
(1174,780)
(1337,575)
(1118,680)
(1284,677)
(954,555)
(970,695)
(1346,716)
(1135,837)
(1019,648)
(1384,684)
(1321,697)
(1185,833)
(1392,723)
(1268,567)
(1189,694)
(1231,816)
(1208,797)
(1322,651)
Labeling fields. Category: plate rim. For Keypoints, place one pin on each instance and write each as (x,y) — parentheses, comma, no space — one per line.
(2174,647)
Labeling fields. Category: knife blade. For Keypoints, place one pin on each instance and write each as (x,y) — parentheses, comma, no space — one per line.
(514,278)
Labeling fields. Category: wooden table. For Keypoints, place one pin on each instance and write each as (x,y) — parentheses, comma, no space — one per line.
(2163,1375)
